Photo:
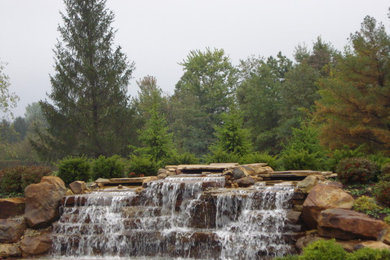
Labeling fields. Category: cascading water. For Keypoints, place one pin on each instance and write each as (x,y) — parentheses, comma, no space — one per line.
(186,217)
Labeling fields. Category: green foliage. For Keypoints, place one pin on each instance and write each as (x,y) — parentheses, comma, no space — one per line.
(181,158)
(385,169)
(369,254)
(204,91)
(7,99)
(358,190)
(88,113)
(232,139)
(74,169)
(143,164)
(366,205)
(356,170)
(10,180)
(156,141)
(108,167)
(304,152)
(345,152)
(16,179)
(221,156)
(257,157)
(387,219)
(323,250)
(382,192)
(259,99)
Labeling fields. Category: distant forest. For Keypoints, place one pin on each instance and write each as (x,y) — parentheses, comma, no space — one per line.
(296,113)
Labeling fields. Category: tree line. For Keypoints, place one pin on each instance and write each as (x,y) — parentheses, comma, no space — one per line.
(302,110)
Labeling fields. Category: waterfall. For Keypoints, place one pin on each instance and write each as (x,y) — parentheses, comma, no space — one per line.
(178,217)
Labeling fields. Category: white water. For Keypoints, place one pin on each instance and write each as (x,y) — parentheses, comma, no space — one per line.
(177,217)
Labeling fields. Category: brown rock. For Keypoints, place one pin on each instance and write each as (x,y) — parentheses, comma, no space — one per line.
(374,245)
(347,224)
(11,207)
(245,181)
(42,201)
(36,244)
(308,238)
(78,187)
(239,172)
(293,216)
(11,229)
(323,197)
(308,183)
(9,250)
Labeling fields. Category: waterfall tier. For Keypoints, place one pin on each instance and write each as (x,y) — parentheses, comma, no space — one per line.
(187,217)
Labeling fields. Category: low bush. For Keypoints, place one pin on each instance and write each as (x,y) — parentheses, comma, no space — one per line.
(16,179)
(108,167)
(369,254)
(143,165)
(287,257)
(323,250)
(366,205)
(181,158)
(10,180)
(387,219)
(382,192)
(344,153)
(357,170)
(260,158)
(33,174)
(220,156)
(302,160)
(74,169)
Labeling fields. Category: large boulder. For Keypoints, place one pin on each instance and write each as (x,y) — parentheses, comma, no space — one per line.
(9,250)
(42,201)
(35,243)
(11,207)
(349,224)
(11,229)
(78,187)
(323,197)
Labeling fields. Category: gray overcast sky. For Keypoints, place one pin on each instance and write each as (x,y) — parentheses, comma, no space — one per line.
(158,34)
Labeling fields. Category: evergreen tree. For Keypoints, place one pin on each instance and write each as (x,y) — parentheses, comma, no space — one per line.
(89,108)
(355,99)
(156,142)
(233,141)
(202,94)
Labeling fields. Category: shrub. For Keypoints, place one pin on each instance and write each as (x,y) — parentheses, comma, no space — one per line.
(33,174)
(366,205)
(181,158)
(382,192)
(111,167)
(387,220)
(323,250)
(220,156)
(385,169)
(346,152)
(74,168)
(143,165)
(10,180)
(356,170)
(260,158)
(369,254)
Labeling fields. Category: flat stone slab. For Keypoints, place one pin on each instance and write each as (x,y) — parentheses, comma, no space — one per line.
(199,168)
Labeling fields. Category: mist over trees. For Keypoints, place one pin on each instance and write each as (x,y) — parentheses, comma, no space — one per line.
(300,111)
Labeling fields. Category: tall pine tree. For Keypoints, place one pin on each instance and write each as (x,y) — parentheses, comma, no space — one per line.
(89,109)
(355,99)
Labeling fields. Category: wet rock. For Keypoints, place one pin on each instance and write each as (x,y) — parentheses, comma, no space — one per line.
(293,216)
(69,192)
(147,180)
(42,201)
(245,181)
(323,197)
(78,187)
(11,229)
(238,173)
(308,183)
(11,207)
(35,243)
(349,224)
(9,250)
